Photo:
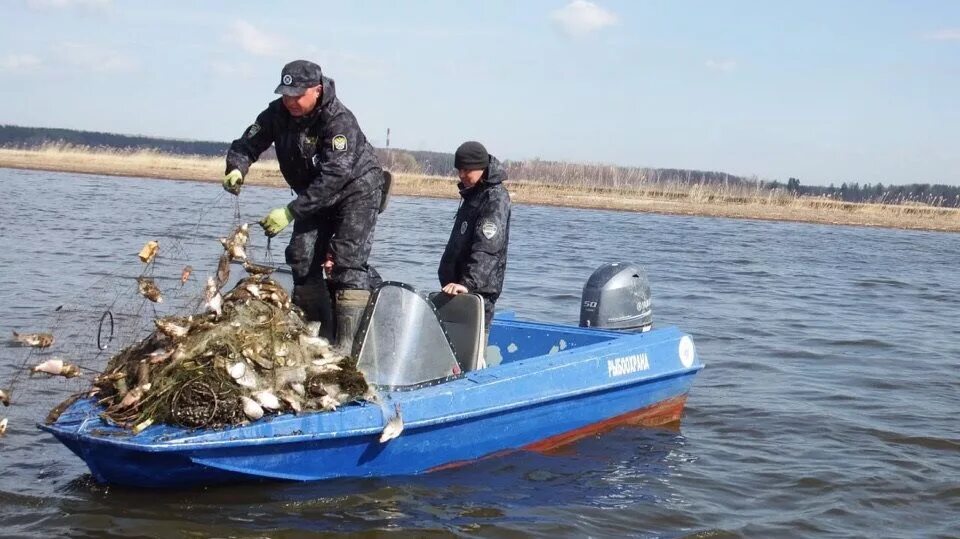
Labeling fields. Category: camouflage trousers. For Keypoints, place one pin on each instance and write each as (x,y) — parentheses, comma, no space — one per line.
(346,234)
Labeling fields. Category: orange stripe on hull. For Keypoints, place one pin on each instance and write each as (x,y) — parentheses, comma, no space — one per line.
(657,415)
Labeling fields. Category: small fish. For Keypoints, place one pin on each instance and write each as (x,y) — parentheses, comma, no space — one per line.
(257,269)
(149,289)
(298,388)
(212,297)
(328,403)
(56,367)
(237,370)
(149,251)
(268,400)
(293,402)
(134,395)
(159,355)
(172,327)
(251,409)
(223,270)
(4,398)
(394,426)
(185,274)
(234,244)
(3,426)
(37,340)
(253,289)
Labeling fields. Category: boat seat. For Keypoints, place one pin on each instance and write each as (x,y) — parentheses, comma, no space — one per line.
(462,317)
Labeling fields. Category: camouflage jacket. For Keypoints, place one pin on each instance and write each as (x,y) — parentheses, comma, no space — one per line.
(476,253)
(324,156)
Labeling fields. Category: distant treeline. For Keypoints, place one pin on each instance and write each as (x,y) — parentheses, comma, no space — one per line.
(441,164)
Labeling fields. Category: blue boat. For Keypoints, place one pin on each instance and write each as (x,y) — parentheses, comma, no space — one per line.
(544,385)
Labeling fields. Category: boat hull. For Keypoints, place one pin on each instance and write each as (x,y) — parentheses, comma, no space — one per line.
(511,407)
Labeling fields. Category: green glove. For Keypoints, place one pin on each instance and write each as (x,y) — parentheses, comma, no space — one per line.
(232,181)
(276,220)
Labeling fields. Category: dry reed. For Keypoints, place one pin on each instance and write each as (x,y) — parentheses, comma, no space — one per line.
(634,193)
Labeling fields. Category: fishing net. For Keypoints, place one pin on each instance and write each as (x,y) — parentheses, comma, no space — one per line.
(164,346)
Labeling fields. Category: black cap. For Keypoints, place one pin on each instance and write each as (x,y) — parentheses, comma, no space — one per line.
(471,155)
(297,76)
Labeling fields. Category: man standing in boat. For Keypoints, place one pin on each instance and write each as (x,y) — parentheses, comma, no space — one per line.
(476,254)
(330,165)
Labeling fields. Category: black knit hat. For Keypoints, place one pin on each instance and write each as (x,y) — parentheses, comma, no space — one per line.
(297,76)
(471,155)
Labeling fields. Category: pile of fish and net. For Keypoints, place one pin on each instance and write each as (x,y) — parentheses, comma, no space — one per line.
(242,353)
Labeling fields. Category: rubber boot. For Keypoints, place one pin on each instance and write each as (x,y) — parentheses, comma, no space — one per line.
(317,306)
(350,307)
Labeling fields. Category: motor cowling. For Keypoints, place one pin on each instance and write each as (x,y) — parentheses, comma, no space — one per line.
(617,296)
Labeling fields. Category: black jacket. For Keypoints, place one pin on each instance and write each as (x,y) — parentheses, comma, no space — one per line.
(324,156)
(476,254)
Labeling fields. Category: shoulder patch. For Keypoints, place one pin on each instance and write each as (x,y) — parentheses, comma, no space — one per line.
(463,227)
(488,229)
(253,130)
(340,143)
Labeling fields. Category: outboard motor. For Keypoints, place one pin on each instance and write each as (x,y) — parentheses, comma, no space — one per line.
(617,296)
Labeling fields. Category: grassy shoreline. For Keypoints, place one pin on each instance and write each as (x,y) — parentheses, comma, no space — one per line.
(702,200)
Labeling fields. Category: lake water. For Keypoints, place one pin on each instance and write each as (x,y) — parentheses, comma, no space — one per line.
(828,407)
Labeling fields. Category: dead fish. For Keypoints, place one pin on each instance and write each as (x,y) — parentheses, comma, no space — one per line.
(251,409)
(298,388)
(37,340)
(328,403)
(185,274)
(56,367)
(149,251)
(149,289)
(172,327)
(223,270)
(237,370)
(268,400)
(257,269)
(4,398)
(394,426)
(134,395)
(159,355)
(3,426)
(253,289)
(293,402)
(212,297)
(234,244)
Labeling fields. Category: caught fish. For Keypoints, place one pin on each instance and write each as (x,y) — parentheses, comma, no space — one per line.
(254,290)
(149,251)
(212,297)
(134,395)
(37,340)
(149,289)
(394,426)
(257,269)
(235,244)
(237,370)
(328,403)
(251,409)
(159,355)
(223,270)
(172,327)
(4,398)
(3,426)
(268,400)
(56,367)
(185,274)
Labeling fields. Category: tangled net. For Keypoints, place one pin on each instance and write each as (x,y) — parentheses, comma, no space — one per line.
(256,357)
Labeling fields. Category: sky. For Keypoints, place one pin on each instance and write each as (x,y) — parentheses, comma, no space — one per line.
(824,91)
